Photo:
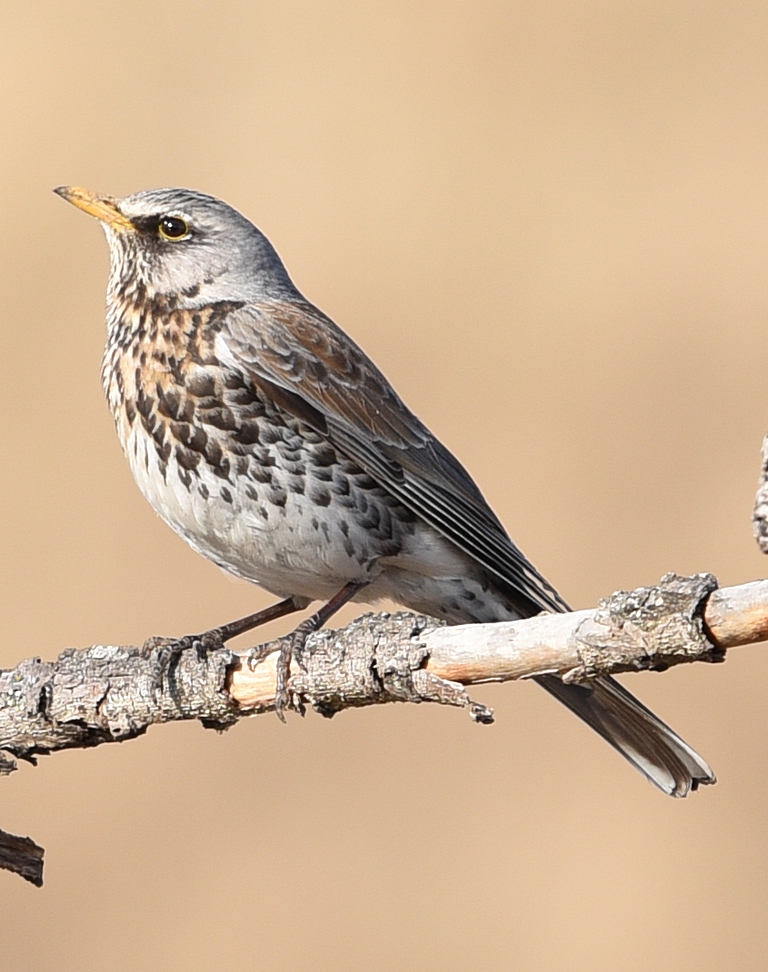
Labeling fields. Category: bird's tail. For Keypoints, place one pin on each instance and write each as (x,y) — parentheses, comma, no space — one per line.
(642,738)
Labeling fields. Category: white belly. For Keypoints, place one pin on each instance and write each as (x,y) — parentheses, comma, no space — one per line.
(295,548)
(300,548)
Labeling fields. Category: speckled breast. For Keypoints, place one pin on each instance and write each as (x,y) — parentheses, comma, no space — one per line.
(248,485)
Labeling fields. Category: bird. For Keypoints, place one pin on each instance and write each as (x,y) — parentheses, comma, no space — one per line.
(262,434)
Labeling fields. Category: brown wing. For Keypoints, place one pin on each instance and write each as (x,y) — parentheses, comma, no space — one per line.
(315,371)
(319,374)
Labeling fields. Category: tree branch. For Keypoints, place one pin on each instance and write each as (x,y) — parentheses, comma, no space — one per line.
(109,694)
(760,510)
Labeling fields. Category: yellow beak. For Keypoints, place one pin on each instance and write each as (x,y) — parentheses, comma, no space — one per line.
(95,204)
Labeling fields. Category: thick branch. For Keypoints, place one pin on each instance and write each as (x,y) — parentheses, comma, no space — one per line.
(682,620)
(110,694)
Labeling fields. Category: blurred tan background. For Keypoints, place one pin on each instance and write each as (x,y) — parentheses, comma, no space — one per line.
(548,224)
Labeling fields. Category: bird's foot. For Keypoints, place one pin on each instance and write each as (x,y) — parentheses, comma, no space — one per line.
(173,648)
(216,638)
(291,646)
(294,645)
(164,653)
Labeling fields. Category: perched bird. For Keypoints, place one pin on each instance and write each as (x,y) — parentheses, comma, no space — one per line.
(264,435)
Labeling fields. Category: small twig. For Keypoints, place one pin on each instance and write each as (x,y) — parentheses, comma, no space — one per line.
(760,511)
(22,856)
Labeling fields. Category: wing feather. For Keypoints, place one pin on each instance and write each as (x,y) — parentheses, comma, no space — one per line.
(316,372)
(319,374)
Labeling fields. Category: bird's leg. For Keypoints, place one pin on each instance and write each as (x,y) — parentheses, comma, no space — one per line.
(219,636)
(166,651)
(294,643)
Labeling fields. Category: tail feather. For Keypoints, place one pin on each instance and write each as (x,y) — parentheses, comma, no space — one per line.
(632,729)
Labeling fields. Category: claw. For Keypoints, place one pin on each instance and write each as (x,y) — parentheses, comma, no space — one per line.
(283,699)
(166,652)
(163,654)
(290,646)
(255,656)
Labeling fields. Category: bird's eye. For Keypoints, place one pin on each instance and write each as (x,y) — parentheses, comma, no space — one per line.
(173,228)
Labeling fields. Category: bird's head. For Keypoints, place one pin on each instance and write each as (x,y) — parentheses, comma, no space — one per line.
(185,244)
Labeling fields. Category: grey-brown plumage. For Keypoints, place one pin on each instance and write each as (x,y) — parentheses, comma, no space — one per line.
(263,435)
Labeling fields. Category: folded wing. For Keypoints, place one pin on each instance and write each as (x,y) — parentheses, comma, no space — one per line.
(315,371)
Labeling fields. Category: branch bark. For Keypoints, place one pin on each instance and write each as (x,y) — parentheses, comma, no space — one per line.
(760,510)
(110,694)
